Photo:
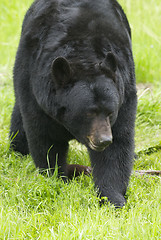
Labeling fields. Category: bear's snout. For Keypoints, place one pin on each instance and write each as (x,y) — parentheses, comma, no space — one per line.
(99,144)
(100,135)
(105,140)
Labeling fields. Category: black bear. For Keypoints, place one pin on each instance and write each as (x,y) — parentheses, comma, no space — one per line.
(74,78)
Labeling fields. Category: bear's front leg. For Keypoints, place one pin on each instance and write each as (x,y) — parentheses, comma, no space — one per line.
(111,172)
(112,167)
(47,155)
(45,142)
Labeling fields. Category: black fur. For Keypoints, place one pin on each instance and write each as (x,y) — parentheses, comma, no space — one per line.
(74,78)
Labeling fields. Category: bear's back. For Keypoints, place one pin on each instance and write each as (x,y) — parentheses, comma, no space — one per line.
(60,18)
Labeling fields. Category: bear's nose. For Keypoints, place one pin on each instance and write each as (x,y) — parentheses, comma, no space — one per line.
(105,140)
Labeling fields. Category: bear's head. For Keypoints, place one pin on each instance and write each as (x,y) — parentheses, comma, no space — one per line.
(87,100)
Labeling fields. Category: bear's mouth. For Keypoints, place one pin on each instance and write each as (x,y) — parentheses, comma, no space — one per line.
(94,146)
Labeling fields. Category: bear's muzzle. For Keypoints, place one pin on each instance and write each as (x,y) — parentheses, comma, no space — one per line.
(100,136)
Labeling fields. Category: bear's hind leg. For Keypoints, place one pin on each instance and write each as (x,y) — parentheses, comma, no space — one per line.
(18,141)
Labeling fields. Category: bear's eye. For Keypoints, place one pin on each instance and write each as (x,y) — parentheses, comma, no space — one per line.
(91,114)
(93,111)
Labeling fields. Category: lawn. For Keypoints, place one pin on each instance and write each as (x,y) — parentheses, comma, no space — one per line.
(33,206)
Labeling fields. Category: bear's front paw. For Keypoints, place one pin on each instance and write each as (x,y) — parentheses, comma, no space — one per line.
(74,170)
(116,198)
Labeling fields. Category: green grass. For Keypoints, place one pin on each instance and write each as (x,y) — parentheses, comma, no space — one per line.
(145,17)
(33,206)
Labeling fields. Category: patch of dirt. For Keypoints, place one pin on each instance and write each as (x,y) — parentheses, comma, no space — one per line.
(143,88)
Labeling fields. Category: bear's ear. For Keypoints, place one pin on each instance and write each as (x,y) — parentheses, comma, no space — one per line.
(110,62)
(61,71)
